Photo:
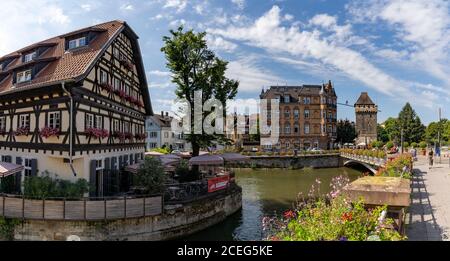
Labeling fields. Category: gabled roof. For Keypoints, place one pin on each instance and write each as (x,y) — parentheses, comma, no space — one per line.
(66,65)
(364,99)
(162,121)
(73,65)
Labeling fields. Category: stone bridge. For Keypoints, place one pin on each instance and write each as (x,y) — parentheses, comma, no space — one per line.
(371,163)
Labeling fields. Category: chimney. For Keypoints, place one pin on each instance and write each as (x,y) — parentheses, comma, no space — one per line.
(167,114)
(162,113)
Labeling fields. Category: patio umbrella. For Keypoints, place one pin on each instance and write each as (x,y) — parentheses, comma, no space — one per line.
(7,169)
(133,168)
(234,157)
(206,160)
(154,154)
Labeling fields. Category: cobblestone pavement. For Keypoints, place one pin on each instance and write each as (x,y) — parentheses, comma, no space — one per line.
(429,213)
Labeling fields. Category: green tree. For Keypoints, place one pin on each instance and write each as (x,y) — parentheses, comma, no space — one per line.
(383,134)
(433,130)
(151,176)
(409,122)
(391,128)
(196,68)
(346,132)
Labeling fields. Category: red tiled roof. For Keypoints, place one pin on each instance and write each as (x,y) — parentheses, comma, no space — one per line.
(65,65)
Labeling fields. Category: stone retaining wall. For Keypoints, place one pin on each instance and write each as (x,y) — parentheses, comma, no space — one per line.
(176,221)
(294,162)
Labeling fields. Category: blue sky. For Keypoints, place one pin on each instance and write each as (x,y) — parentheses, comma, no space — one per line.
(398,51)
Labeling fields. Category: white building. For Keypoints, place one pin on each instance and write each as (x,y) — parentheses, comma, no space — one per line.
(160,134)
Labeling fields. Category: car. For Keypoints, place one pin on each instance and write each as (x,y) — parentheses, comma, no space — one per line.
(176,152)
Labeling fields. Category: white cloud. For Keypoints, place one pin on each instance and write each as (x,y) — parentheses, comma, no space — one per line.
(219,44)
(251,76)
(180,5)
(239,3)
(424,25)
(177,22)
(86,7)
(28,27)
(127,7)
(391,54)
(160,73)
(268,33)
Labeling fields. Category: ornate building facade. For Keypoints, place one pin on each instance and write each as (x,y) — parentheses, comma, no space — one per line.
(308,116)
(366,120)
(75,105)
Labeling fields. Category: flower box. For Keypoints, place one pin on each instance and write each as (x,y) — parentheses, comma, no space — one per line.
(3,132)
(107,87)
(141,136)
(22,131)
(48,132)
(128,136)
(97,133)
(119,135)
(127,64)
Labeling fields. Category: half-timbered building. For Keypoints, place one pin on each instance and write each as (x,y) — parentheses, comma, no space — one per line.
(75,105)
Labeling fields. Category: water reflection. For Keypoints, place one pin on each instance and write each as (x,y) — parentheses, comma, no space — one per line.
(267,192)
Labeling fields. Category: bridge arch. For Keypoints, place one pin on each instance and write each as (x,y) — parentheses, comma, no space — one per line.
(367,166)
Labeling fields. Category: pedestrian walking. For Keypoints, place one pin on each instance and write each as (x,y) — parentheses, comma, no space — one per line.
(430,158)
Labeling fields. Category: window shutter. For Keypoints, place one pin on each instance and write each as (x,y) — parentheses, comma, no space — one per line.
(131,159)
(93,178)
(18,176)
(34,168)
(126,160)
(8,159)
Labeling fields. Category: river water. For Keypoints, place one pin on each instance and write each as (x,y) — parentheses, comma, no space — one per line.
(266,192)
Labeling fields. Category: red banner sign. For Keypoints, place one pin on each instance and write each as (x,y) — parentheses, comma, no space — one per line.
(219,183)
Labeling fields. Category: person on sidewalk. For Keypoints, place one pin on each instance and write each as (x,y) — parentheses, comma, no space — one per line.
(430,158)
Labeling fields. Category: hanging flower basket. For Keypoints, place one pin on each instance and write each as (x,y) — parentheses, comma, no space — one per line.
(48,132)
(22,131)
(97,133)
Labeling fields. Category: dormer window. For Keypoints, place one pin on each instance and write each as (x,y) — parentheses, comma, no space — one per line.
(24,76)
(29,57)
(76,43)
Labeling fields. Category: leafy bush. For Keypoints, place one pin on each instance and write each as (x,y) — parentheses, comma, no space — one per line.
(413,144)
(182,171)
(423,145)
(389,145)
(395,167)
(47,187)
(162,150)
(405,144)
(331,219)
(151,176)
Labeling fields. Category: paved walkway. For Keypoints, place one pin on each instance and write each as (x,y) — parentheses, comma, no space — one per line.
(429,214)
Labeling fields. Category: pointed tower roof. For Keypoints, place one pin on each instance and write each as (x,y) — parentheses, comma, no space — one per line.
(364,99)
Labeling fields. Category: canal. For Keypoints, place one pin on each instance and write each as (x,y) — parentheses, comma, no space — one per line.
(266,192)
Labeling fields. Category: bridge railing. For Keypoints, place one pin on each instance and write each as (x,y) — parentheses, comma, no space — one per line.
(366,159)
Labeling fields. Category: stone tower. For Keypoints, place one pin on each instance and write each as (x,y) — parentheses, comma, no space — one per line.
(366,120)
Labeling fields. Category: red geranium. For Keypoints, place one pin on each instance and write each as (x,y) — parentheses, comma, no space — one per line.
(119,135)
(107,87)
(347,217)
(97,133)
(22,131)
(289,214)
(48,132)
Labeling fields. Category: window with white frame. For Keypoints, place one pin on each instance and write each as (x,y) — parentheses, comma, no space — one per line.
(117,83)
(99,165)
(89,121)
(116,126)
(54,120)
(153,134)
(103,76)
(27,167)
(287,129)
(166,135)
(126,126)
(2,123)
(24,121)
(29,57)
(153,145)
(24,76)
(307,128)
(306,114)
(76,43)
(98,121)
